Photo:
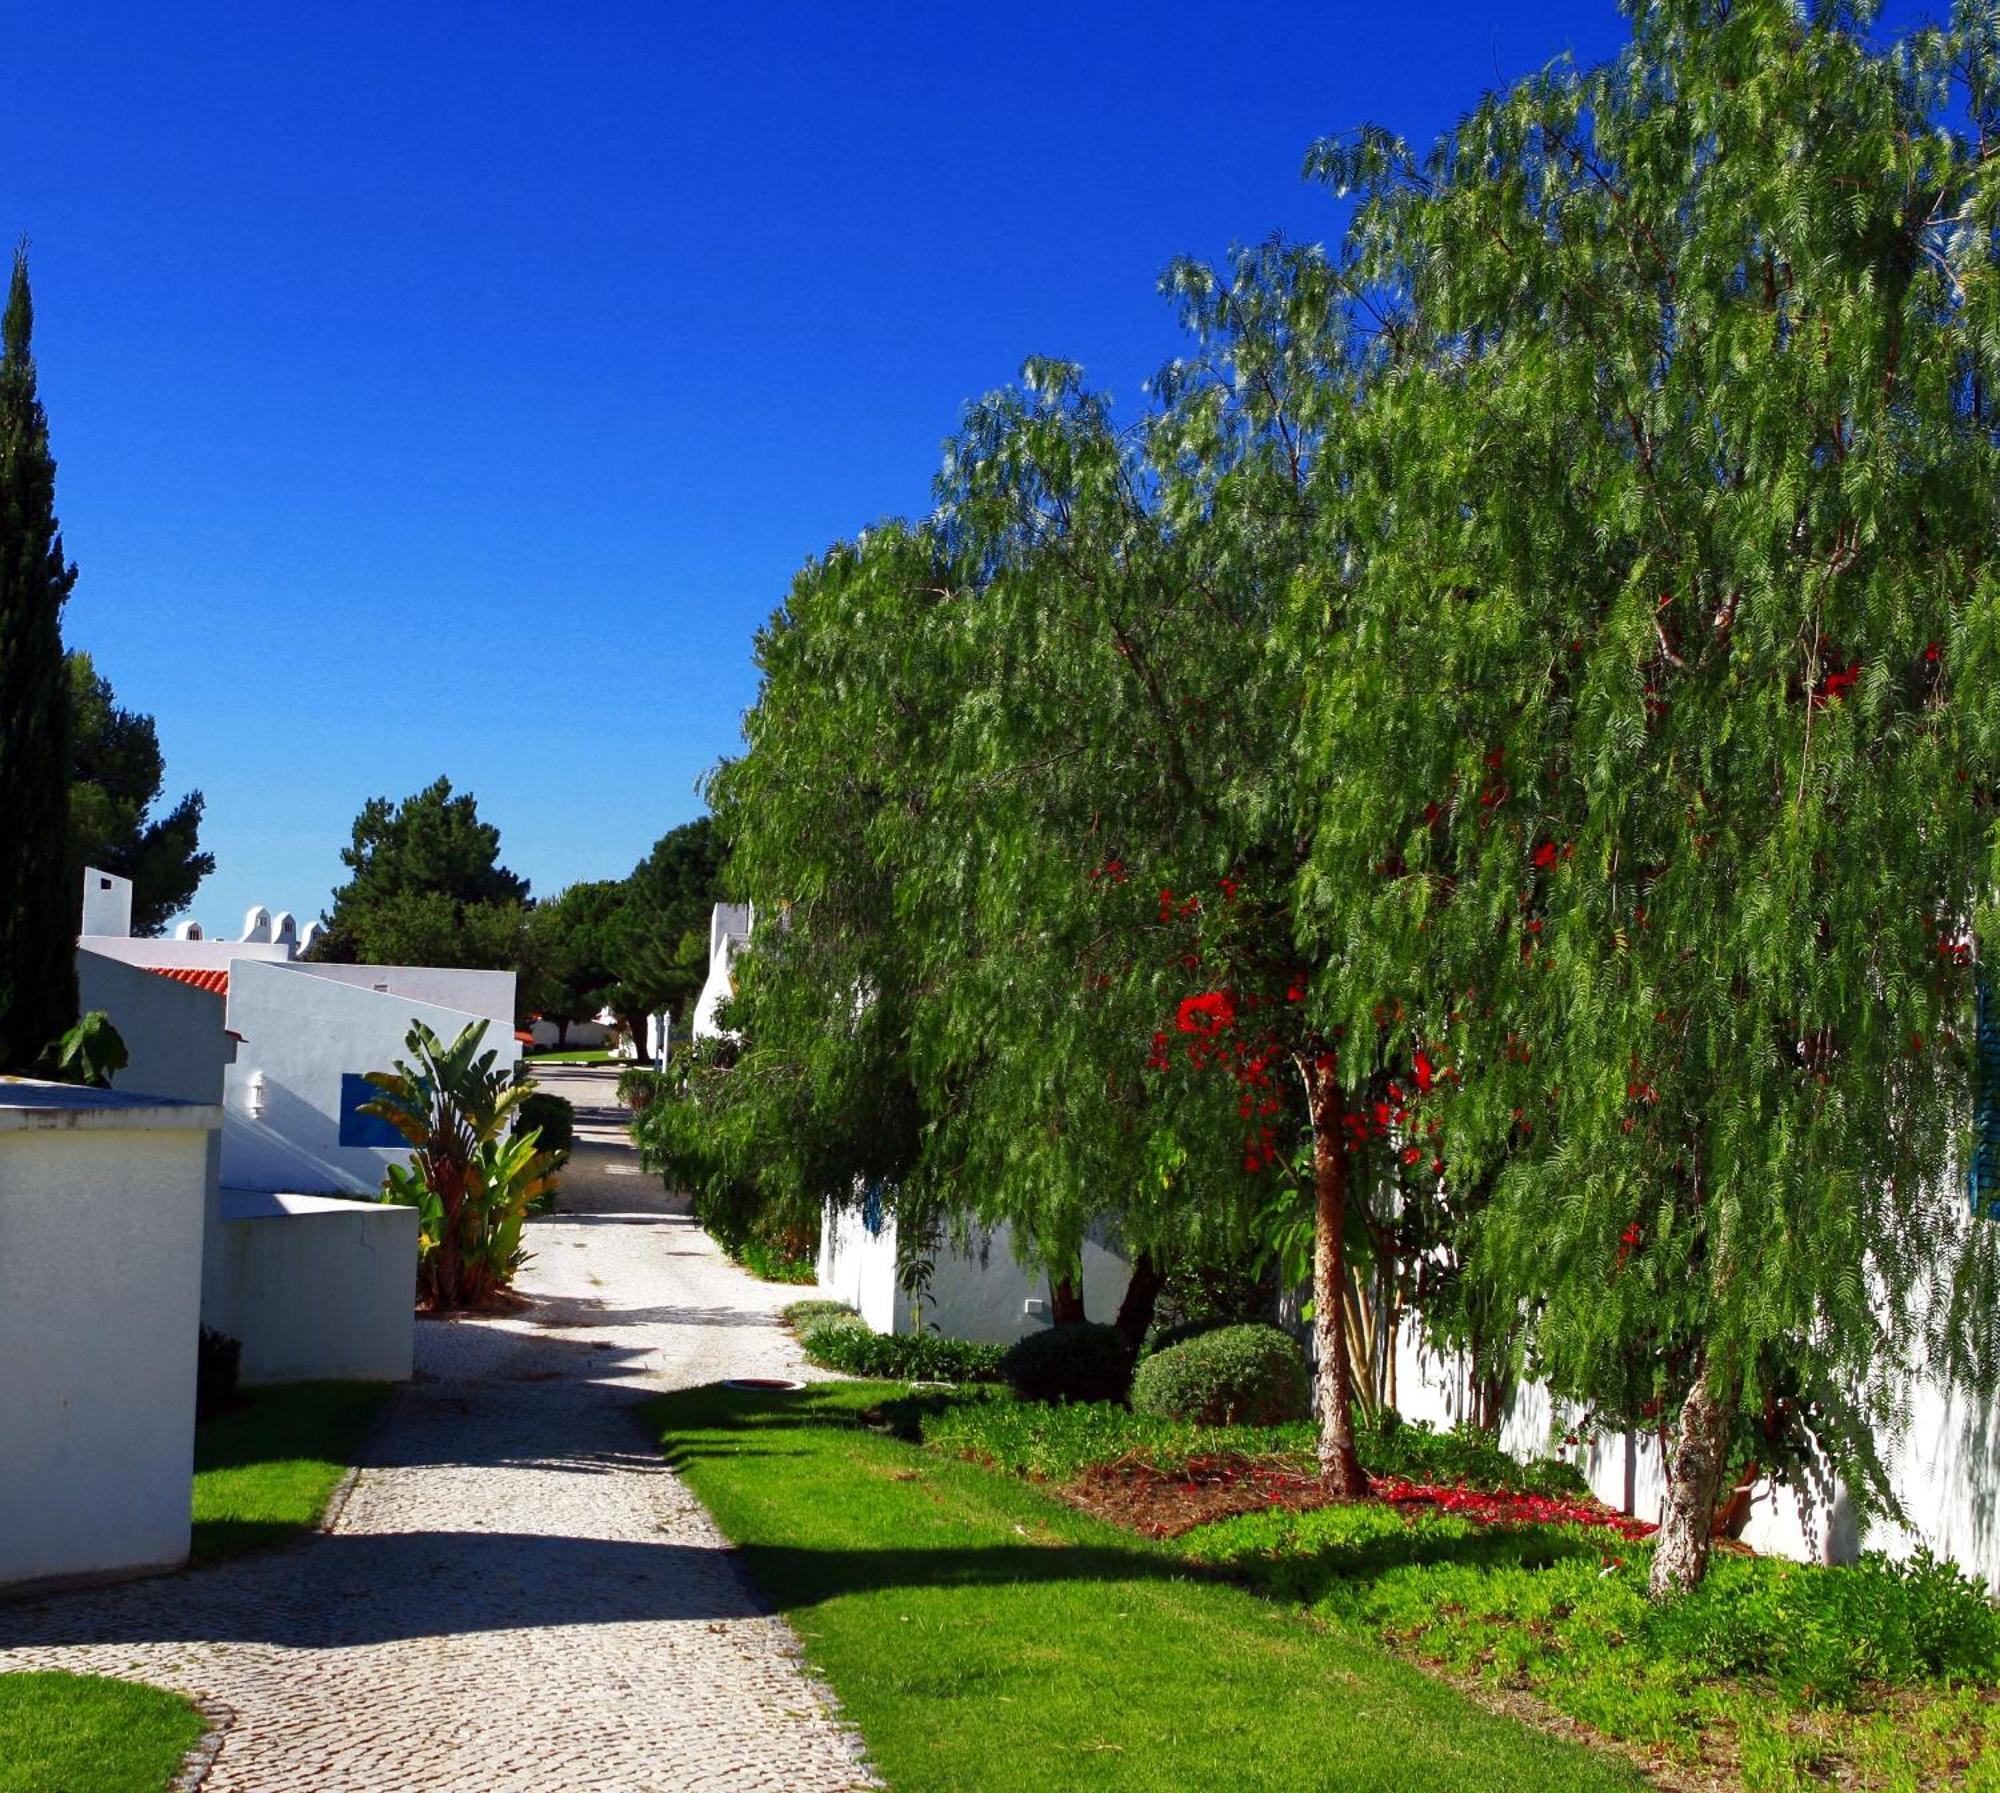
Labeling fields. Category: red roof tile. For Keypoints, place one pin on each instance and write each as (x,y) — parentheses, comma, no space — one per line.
(215,982)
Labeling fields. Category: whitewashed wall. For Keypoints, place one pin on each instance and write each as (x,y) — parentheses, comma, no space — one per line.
(302,1031)
(485,994)
(1944,1465)
(981,1291)
(101,1211)
(316,1287)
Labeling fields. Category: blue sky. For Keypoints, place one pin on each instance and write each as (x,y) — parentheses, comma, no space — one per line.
(452,389)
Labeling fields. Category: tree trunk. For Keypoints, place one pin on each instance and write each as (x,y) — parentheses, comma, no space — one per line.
(1065,1301)
(1695,1464)
(1339,1465)
(1142,1295)
(562,1034)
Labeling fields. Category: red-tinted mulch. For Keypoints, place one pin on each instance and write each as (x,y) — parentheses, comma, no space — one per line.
(1157,1503)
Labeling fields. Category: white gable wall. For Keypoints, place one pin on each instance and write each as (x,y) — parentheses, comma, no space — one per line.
(302,1032)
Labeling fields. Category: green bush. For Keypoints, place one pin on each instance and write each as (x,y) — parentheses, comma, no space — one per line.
(1248,1375)
(817,1311)
(775,1262)
(638,1086)
(1058,1443)
(1418,1452)
(1080,1361)
(856,1349)
(554,1115)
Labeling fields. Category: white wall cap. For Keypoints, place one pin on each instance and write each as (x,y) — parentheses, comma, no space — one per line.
(29,1105)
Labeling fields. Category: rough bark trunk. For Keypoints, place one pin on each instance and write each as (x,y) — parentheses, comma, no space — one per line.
(1696,1464)
(1142,1296)
(1065,1301)
(1339,1464)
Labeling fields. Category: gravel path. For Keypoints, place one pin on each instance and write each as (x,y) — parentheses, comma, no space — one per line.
(517,1593)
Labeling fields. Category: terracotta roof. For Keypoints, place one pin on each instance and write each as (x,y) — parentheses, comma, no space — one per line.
(524,1036)
(216,982)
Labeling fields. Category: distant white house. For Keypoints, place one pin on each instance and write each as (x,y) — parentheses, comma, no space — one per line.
(314,1285)
(976,1290)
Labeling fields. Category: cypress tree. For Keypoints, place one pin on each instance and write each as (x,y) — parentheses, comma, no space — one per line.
(38,909)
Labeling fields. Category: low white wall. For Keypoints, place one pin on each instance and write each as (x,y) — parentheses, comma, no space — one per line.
(303,1033)
(316,1287)
(101,1210)
(1944,1466)
(583,1036)
(979,1292)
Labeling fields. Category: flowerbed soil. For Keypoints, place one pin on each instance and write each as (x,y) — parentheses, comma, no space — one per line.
(1156,1503)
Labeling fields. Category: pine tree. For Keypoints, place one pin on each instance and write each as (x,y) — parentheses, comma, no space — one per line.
(39,908)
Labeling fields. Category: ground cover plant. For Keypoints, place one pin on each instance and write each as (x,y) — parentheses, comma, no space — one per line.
(1785,1674)
(983,1636)
(67,1733)
(265,1469)
(774,1262)
(835,1337)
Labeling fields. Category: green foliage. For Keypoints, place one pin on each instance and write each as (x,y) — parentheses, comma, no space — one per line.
(816,1311)
(638,1085)
(1247,1375)
(471,1179)
(116,774)
(1656,700)
(60,1732)
(984,1637)
(858,1350)
(218,1372)
(568,954)
(426,887)
(90,1053)
(776,1261)
(266,1466)
(38,903)
(659,947)
(552,1118)
(1079,1361)
(1463,1457)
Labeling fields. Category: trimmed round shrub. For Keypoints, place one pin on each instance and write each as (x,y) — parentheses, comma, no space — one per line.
(554,1115)
(1235,1376)
(1080,1361)
(859,1350)
(1165,1338)
(816,1313)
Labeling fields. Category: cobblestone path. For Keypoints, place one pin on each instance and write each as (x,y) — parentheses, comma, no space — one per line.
(517,1593)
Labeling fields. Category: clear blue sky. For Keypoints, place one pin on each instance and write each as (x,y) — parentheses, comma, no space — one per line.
(453,389)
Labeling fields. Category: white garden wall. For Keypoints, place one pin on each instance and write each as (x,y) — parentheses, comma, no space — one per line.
(979,1291)
(101,1213)
(1944,1466)
(315,1286)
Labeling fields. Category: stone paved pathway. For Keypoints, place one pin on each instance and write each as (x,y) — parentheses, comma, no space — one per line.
(517,1594)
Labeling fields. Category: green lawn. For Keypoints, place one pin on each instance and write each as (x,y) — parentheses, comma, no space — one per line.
(264,1471)
(86,1734)
(595,1055)
(982,1635)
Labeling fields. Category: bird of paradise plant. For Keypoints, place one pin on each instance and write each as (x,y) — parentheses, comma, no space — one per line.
(471,1179)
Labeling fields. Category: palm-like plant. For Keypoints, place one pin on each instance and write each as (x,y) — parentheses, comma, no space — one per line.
(471,1180)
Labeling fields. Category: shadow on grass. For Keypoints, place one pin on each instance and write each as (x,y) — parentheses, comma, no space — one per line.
(371,1588)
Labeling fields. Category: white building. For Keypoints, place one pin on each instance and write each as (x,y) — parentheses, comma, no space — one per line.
(976,1290)
(101,1203)
(314,1283)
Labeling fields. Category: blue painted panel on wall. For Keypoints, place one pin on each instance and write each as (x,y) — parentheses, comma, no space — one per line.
(356,1128)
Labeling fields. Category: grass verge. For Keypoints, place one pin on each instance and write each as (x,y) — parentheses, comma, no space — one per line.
(72,1733)
(981,1635)
(264,1471)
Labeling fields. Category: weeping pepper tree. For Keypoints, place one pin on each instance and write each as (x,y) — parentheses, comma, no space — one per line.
(1666,707)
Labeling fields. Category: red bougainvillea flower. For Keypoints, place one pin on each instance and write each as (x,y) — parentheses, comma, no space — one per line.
(1545,854)
(1208,1014)
(1421,1067)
